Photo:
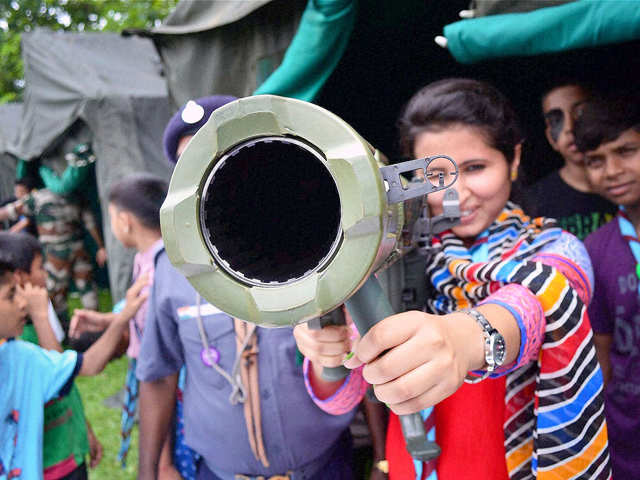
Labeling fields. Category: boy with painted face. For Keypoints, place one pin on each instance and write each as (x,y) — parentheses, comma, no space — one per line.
(566,194)
(608,132)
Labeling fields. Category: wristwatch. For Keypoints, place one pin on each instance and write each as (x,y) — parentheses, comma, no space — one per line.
(382,465)
(495,348)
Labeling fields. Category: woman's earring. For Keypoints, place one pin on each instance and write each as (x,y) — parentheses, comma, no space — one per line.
(514,175)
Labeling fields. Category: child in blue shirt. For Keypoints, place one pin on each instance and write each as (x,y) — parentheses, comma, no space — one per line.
(31,376)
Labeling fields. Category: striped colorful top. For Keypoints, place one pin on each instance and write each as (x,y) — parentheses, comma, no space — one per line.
(554,425)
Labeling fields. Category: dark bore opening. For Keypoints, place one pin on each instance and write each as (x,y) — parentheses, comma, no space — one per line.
(271,211)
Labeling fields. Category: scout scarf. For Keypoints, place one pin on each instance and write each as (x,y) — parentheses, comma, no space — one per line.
(554,423)
(243,379)
(628,232)
(247,345)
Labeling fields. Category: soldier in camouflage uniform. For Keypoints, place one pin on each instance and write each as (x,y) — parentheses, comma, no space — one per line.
(59,221)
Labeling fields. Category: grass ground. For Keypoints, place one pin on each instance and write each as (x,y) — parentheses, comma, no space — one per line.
(105,421)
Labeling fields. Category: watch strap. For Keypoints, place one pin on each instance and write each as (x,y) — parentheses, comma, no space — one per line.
(487,332)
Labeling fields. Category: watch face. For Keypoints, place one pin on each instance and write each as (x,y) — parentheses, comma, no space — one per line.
(499,349)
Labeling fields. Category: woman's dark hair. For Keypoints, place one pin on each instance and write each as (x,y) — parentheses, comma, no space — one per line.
(141,195)
(19,250)
(460,101)
(604,118)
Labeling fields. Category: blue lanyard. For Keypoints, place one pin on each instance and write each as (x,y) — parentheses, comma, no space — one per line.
(630,235)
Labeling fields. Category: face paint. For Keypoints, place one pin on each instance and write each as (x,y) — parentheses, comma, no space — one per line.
(555,120)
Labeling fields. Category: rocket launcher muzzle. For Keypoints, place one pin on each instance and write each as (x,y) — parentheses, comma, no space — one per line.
(278,211)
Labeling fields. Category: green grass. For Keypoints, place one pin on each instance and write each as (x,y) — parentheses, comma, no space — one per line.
(106,421)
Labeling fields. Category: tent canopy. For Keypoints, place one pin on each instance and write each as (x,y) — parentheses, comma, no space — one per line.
(389,54)
(63,72)
(224,47)
(100,88)
(10,119)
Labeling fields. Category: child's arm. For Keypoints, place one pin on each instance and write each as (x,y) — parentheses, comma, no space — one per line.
(90,225)
(603,343)
(37,300)
(166,469)
(89,321)
(95,447)
(157,401)
(4,213)
(377,414)
(95,359)
(23,206)
(20,226)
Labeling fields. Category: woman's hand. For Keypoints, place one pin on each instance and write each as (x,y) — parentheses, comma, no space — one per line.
(326,347)
(415,360)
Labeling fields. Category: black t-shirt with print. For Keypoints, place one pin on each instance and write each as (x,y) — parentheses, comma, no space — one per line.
(577,212)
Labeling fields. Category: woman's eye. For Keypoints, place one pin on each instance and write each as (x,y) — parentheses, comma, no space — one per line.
(476,167)
(628,152)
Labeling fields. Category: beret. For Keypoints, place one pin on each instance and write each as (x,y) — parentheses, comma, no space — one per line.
(188,120)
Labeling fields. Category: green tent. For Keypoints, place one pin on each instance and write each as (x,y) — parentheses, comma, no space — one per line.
(363,60)
(10,118)
(98,88)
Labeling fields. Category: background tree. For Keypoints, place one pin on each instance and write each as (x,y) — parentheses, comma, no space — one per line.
(17,16)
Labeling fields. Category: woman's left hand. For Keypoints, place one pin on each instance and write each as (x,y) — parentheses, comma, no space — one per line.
(414,359)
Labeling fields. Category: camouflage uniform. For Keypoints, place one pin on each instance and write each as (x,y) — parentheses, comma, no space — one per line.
(59,220)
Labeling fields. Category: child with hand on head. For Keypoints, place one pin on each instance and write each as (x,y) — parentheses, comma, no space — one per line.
(504,342)
(608,133)
(33,376)
(68,437)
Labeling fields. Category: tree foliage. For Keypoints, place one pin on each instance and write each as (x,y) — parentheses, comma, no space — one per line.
(17,16)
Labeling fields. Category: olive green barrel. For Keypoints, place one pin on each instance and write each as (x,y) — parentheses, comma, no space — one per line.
(277,212)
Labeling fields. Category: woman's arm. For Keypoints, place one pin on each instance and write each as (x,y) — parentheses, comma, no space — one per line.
(415,359)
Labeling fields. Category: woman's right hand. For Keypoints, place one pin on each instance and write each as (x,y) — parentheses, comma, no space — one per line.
(414,359)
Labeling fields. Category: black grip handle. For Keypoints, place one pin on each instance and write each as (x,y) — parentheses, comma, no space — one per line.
(335,317)
(368,306)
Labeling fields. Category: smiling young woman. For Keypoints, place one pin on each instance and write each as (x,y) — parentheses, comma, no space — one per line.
(506,304)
